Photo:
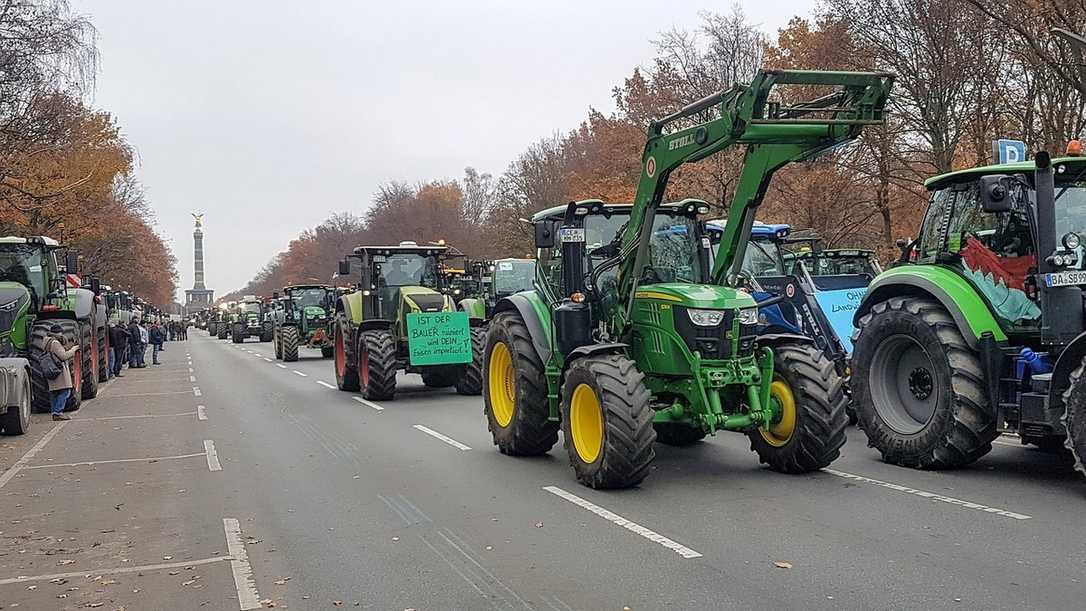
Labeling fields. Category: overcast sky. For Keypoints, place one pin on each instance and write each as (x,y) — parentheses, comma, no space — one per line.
(269,116)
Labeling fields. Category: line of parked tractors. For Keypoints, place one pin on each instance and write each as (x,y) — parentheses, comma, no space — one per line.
(645,322)
(40,286)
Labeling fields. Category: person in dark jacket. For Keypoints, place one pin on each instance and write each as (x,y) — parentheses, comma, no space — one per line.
(157,336)
(118,346)
(60,387)
(134,345)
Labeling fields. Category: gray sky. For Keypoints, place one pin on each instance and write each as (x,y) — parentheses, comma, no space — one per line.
(269,116)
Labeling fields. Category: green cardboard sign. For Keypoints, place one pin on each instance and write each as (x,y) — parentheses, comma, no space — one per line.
(438,338)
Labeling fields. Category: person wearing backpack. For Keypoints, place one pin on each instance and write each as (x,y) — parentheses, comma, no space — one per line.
(60,387)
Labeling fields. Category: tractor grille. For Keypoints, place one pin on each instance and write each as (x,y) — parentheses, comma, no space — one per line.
(11,303)
(428,302)
(711,342)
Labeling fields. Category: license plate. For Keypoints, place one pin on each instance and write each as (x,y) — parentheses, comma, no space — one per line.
(1066,278)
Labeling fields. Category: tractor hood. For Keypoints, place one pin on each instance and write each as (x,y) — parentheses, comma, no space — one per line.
(705,296)
(422,299)
(312,312)
(14,300)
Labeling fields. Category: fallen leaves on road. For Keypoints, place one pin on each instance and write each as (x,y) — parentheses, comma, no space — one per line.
(65,562)
(282,581)
(31,587)
(268,603)
(782,564)
(167,557)
(539,525)
(337,603)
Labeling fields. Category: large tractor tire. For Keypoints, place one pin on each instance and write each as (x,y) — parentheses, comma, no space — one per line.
(470,381)
(16,421)
(918,388)
(39,385)
(277,345)
(103,354)
(346,370)
(515,390)
(89,351)
(678,433)
(377,365)
(607,422)
(288,340)
(327,352)
(223,332)
(811,398)
(1074,416)
(267,332)
(238,333)
(440,376)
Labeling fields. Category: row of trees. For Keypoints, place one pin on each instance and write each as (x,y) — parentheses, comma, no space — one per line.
(967,71)
(66,171)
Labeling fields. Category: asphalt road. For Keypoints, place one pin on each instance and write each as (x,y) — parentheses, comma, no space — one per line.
(236,482)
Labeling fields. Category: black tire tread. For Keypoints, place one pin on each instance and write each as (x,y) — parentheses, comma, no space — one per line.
(381,352)
(1074,416)
(471,381)
(288,339)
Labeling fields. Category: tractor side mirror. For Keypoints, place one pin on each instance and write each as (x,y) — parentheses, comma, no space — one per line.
(544,234)
(71,262)
(345,268)
(995,196)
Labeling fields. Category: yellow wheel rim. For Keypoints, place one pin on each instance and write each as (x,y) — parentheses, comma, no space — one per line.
(502,379)
(780,433)
(586,423)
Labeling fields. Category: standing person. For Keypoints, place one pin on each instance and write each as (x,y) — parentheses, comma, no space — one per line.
(60,387)
(145,338)
(118,342)
(133,345)
(157,336)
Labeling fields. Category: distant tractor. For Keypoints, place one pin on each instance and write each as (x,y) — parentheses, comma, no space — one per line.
(492,281)
(229,314)
(251,321)
(301,318)
(398,319)
(979,329)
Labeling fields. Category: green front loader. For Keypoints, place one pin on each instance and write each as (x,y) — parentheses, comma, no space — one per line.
(631,336)
(979,328)
(399,319)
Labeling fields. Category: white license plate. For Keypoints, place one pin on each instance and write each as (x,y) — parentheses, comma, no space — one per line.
(1066,278)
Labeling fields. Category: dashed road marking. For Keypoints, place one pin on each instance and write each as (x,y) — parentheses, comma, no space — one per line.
(248,598)
(196,391)
(22,462)
(191,370)
(115,571)
(92,463)
(449,440)
(201,413)
(192,378)
(280,365)
(212,456)
(326,384)
(930,495)
(369,404)
(633,527)
(267,359)
(304,375)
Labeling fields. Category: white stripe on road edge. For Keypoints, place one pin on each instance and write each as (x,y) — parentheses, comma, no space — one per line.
(21,463)
(930,495)
(633,527)
(304,375)
(212,456)
(449,440)
(280,365)
(248,598)
(192,378)
(267,359)
(91,463)
(196,391)
(114,571)
(191,370)
(326,384)
(200,413)
(134,416)
(369,404)
(152,394)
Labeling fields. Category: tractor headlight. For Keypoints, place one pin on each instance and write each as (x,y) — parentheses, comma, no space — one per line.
(1071,241)
(706,318)
(748,316)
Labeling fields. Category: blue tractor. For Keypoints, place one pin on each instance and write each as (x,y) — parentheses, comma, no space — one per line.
(799,294)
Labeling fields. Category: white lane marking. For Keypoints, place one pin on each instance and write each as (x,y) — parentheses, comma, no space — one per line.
(248,598)
(280,365)
(449,440)
(369,404)
(91,463)
(930,495)
(134,416)
(304,375)
(200,413)
(152,394)
(192,378)
(21,463)
(326,384)
(191,370)
(115,571)
(196,391)
(633,527)
(267,359)
(212,456)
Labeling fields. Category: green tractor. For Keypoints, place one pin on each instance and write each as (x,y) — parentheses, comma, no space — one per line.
(301,317)
(978,330)
(228,316)
(492,281)
(630,336)
(399,319)
(251,320)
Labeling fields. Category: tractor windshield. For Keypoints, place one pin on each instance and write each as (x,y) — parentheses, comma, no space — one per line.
(304,298)
(513,276)
(674,252)
(1071,208)
(408,269)
(251,307)
(763,258)
(22,263)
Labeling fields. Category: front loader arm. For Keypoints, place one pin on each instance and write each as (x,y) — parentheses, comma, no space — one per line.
(775,134)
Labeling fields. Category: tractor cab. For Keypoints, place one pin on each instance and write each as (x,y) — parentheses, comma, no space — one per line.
(399,279)
(819,262)
(492,281)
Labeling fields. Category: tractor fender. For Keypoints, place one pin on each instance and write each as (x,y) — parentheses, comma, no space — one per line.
(536,317)
(1069,360)
(964,303)
(594,349)
(775,339)
(475,308)
(378,324)
(351,305)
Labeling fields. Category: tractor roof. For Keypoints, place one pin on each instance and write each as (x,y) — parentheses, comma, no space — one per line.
(834,252)
(403,248)
(758,231)
(557,212)
(47,241)
(970,174)
(291,287)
